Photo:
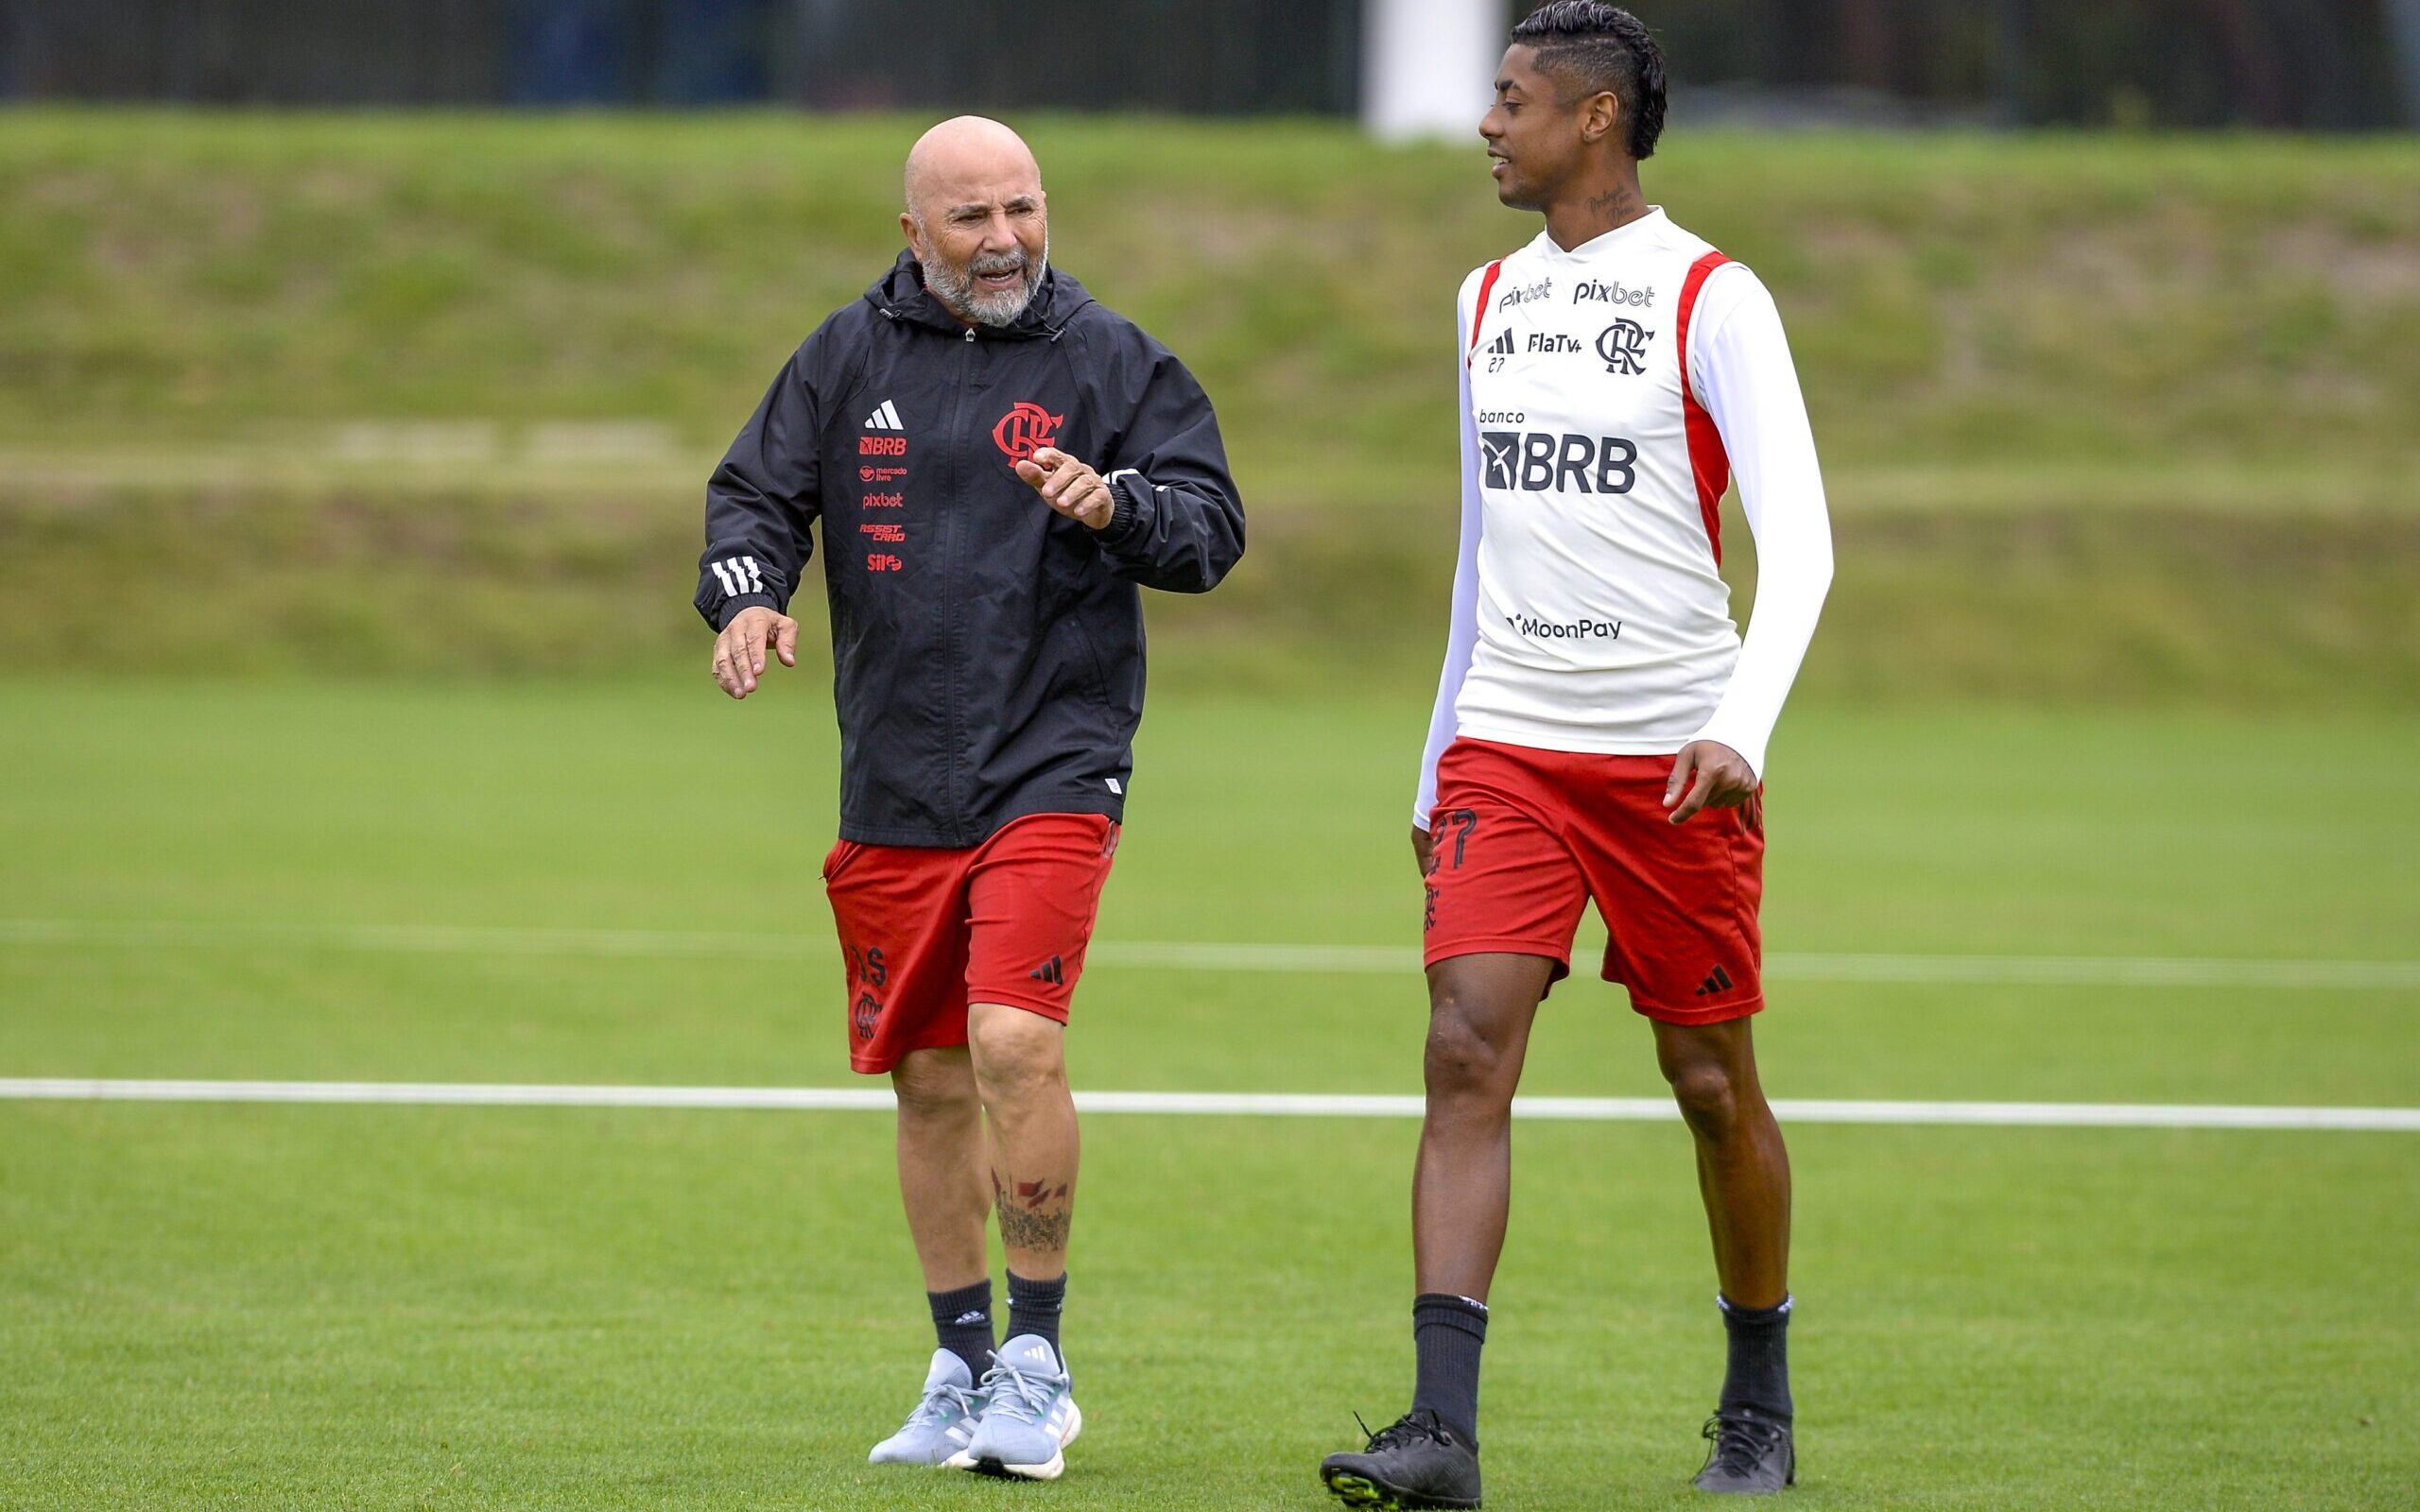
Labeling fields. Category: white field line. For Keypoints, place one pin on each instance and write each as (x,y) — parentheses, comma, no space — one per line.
(2019,971)
(1211,1105)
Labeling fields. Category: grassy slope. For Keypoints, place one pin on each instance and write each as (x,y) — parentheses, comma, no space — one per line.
(2230,301)
(2070,605)
(2105,418)
(233,1307)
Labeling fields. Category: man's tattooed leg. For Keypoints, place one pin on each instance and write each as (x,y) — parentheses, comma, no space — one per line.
(1030,1127)
(1034,1215)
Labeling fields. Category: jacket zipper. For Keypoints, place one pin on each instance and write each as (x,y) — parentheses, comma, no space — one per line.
(951,522)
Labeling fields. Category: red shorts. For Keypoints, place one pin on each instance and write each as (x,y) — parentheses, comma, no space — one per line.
(924,931)
(1523,838)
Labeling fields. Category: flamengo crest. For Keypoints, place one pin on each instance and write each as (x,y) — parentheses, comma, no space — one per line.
(1623,345)
(1024,430)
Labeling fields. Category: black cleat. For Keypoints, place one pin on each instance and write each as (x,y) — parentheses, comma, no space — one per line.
(1415,1461)
(1748,1452)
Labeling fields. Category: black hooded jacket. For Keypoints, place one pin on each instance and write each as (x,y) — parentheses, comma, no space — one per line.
(986,652)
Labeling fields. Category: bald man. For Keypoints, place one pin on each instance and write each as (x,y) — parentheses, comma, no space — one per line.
(999,464)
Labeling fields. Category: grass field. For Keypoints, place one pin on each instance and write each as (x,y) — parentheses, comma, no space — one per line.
(406,1307)
(2111,418)
(2121,663)
(240,283)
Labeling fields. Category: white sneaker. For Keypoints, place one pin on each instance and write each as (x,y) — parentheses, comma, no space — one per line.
(938,1432)
(1028,1415)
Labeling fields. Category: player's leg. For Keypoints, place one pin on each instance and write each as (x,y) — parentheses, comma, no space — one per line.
(1029,1413)
(945,1183)
(1682,902)
(1743,1169)
(1480,1009)
(1743,1173)
(1032,897)
(898,911)
(1503,896)
(941,1165)
(1020,1066)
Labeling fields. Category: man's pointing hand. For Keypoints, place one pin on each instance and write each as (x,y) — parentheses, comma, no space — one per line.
(740,649)
(1070,487)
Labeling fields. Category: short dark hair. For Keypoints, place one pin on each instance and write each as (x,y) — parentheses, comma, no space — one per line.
(1602,48)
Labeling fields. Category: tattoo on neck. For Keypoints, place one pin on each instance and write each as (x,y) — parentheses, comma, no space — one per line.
(1614,205)
(1034,1214)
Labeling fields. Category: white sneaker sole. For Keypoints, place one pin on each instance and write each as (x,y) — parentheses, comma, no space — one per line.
(1050,1469)
(956,1462)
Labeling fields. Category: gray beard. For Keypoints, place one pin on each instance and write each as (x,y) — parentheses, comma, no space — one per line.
(956,287)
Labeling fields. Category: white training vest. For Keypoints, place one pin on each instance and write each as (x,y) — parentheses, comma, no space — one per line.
(1590,612)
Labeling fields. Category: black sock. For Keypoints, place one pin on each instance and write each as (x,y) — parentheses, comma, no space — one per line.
(1033,1308)
(1758,1375)
(1446,1332)
(962,1321)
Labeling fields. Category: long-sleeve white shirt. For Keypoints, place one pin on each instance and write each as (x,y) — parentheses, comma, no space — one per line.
(1607,394)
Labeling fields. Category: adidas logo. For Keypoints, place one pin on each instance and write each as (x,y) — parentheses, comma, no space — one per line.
(968,1319)
(737,575)
(1502,345)
(1050,971)
(1717,980)
(884,418)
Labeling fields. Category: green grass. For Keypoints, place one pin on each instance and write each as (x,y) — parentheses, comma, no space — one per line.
(342,1307)
(2246,609)
(2113,420)
(250,280)
(408,1307)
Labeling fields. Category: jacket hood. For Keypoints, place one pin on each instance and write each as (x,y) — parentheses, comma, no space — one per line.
(900,295)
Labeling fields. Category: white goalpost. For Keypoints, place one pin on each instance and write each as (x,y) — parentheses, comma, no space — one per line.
(1428,65)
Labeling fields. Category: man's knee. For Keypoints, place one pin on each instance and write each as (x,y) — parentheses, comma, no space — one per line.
(1015,1052)
(1713,1074)
(935,1085)
(1462,1061)
(1708,1092)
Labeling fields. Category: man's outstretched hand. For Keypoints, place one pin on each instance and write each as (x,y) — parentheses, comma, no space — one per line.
(1707,775)
(740,650)
(1069,487)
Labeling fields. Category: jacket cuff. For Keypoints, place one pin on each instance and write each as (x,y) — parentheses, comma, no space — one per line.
(720,615)
(1132,508)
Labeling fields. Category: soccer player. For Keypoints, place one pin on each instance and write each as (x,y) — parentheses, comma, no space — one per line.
(1600,730)
(997,461)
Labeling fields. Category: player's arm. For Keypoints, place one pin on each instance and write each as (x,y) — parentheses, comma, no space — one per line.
(1165,511)
(1743,375)
(1462,623)
(759,503)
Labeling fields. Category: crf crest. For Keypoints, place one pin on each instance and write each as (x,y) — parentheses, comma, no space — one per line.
(1623,345)
(1026,429)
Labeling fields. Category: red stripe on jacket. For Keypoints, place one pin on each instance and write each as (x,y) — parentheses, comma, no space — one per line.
(1709,464)
(1479,316)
